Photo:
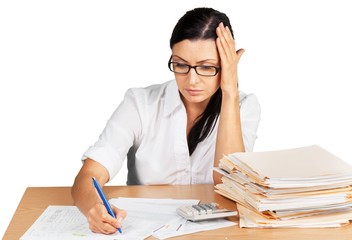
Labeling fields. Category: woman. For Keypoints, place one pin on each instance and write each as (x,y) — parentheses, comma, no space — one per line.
(175,132)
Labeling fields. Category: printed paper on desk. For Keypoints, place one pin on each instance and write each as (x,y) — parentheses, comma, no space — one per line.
(171,223)
(67,222)
(62,222)
(181,227)
(144,217)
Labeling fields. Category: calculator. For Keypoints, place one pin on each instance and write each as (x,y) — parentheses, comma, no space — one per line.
(205,211)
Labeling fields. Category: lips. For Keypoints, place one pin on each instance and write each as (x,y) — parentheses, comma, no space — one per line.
(194,92)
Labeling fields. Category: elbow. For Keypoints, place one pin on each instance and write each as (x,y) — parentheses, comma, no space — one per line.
(216,178)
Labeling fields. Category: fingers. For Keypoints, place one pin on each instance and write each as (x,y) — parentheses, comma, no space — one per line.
(226,44)
(229,58)
(221,50)
(100,221)
(120,216)
(226,40)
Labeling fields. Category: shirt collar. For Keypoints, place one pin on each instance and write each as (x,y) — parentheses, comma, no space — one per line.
(172,98)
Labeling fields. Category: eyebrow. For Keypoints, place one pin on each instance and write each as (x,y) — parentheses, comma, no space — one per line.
(202,61)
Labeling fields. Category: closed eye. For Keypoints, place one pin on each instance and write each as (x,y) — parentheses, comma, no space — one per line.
(206,67)
(180,65)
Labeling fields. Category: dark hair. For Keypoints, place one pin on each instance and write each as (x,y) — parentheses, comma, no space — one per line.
(201,24)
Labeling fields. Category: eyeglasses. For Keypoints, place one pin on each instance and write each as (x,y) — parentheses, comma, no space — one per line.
(202,70)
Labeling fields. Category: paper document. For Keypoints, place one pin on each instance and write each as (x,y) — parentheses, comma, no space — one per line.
(62,222)
(181,226)
(288,168)
(162,214)
(299,187)
(145,217)
(249,218)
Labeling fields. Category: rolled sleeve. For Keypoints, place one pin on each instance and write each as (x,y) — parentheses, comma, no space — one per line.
(119,134)
(250,118)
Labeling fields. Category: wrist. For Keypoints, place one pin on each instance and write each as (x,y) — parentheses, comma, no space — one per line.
(232,95)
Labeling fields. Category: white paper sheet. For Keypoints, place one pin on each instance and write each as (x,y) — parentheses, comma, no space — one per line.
(182,227)
(62,222)
(145,217)
(170,223)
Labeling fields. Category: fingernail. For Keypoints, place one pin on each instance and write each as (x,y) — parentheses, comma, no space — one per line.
(119,220)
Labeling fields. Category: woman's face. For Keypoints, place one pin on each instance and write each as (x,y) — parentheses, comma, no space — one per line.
(196,89)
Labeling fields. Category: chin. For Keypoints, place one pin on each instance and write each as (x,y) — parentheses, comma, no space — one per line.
(196,99)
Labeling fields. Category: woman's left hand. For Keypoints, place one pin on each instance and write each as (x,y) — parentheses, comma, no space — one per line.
(229,58)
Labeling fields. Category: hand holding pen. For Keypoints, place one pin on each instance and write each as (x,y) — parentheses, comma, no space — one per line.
(110,221)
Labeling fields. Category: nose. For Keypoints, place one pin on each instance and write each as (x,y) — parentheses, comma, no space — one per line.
(193,77)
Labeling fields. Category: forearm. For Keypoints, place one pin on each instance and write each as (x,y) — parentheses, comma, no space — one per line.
(84,194)
(229,137)
(83,191)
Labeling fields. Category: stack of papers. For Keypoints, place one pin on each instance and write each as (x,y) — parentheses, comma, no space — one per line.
(300,187)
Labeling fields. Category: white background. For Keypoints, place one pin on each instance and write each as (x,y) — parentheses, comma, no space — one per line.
(65,66)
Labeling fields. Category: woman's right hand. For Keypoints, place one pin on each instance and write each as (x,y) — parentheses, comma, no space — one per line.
(100,221)
(87,200)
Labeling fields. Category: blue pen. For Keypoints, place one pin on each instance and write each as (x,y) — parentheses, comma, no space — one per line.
(105,201)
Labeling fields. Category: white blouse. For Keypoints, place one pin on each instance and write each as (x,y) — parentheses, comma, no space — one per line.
(149,127)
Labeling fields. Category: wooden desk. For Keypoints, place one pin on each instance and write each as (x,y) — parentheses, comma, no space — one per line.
(36,199)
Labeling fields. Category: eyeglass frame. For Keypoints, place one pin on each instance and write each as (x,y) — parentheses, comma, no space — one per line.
(217,69)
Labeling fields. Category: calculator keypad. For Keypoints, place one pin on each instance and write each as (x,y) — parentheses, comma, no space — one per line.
(204,211)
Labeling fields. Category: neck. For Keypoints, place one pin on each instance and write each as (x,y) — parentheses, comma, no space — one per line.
(194,109)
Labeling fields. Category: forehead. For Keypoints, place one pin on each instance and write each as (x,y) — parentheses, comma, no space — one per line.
(195,50)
